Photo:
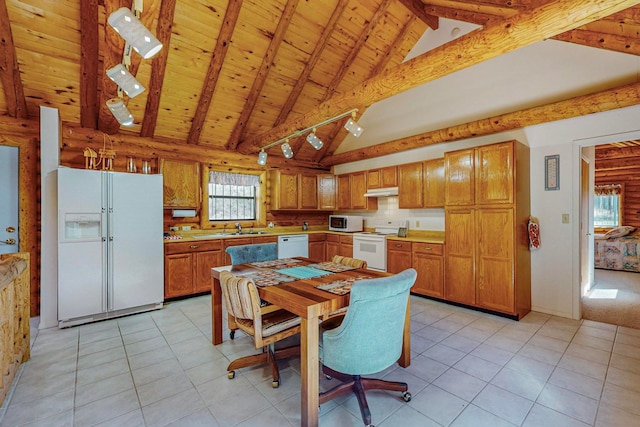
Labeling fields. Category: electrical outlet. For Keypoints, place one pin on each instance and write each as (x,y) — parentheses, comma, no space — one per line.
(565,218)
(186,227)
(173,228)
(417,224)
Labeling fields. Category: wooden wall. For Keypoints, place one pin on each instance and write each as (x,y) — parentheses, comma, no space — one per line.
(25,135)
(621,165)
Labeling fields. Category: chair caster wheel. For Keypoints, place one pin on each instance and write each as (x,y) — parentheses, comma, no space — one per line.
(232,334)
(406,396)
(231,374)
(275,384)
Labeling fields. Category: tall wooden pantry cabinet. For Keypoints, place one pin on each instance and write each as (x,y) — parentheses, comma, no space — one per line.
(487,208)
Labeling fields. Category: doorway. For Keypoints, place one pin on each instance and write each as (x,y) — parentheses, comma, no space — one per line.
(606,295)
(9,164)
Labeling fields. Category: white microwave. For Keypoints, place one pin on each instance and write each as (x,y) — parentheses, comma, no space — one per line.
(348,223)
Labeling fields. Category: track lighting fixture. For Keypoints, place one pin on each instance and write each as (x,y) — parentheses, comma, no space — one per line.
(286,150)
(131,29)
(262,158)
(351,125)
(127,82)
(120,111)
(313,139)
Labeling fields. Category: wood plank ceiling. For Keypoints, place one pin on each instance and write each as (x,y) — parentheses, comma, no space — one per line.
(239,74)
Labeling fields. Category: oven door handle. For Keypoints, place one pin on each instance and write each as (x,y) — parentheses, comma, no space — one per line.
(368,239)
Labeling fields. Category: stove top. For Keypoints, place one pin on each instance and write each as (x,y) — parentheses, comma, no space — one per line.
(384,227)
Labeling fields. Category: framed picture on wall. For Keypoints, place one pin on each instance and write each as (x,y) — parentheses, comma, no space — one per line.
(552,172)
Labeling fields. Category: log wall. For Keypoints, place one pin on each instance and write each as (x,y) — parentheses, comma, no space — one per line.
(621,165)
(14,317)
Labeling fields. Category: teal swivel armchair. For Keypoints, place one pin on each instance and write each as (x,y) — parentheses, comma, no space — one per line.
(368,340)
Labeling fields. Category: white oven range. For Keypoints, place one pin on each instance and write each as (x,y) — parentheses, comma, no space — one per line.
(372,246)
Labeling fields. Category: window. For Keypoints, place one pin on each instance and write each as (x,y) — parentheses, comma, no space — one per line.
(607,206)
(232,196)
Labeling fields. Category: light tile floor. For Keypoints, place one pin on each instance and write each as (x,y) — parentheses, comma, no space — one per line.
(467,369)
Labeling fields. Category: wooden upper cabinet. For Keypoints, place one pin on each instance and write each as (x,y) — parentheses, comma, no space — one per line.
(410,194)
(382,177)
(284,190)
(460,177)
(293,191)
(495,174)
(181,183)
(344,191)
(434,183)
(358,188)
(308,192)
(327,193)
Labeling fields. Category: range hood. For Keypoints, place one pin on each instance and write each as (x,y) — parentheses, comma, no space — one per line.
(382,192)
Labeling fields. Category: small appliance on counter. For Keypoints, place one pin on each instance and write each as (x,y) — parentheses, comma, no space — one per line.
(347,223)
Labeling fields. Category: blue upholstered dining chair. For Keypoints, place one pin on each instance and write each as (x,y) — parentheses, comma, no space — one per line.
(244,254)
(368,340)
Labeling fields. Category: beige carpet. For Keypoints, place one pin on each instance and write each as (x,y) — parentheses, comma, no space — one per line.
(614,299)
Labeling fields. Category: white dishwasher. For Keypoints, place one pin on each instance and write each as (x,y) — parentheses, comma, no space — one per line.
(293,245)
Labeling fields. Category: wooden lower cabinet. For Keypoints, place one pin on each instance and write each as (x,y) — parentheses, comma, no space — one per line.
(187,267)
(346,245)
(495,260)
(398,256)
(317,247)
(428,260)
(332,246)
(460,260)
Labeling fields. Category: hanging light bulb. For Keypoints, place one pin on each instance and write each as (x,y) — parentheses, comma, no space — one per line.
(127,82)
(262,158)
(120,111)
(353,126)
(313,139)
(131,29)
(286,150)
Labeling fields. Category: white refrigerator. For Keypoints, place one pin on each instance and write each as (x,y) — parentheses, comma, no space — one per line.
(110,244)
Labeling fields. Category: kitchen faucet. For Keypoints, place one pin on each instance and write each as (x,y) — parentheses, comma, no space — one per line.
(239,228)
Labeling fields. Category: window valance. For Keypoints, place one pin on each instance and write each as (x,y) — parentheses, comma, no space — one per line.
(238,179)
(608,190)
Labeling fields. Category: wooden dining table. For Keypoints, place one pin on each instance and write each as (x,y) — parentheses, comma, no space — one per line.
(304,298)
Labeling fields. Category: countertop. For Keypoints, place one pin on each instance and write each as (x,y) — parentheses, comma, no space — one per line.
(423,236)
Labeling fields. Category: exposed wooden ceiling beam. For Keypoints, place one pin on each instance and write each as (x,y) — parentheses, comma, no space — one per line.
(462,15)
(616,152)
(263,72)
(158,67)
(613,42)
(9,68)
(417,8)
(333,140)
(331,89)
(213,72)
(494,40)
(579,106)
(89,46)
(496,8)
(311,62)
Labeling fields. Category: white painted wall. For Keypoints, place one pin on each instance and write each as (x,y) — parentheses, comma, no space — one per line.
(49,161)
(555,266)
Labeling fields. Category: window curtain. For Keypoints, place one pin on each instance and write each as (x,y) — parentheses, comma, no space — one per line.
(608,190)
(237,179)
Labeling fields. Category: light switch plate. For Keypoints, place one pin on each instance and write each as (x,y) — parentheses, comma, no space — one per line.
(565,218)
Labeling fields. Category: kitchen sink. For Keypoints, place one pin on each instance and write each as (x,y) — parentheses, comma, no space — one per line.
(221,234)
